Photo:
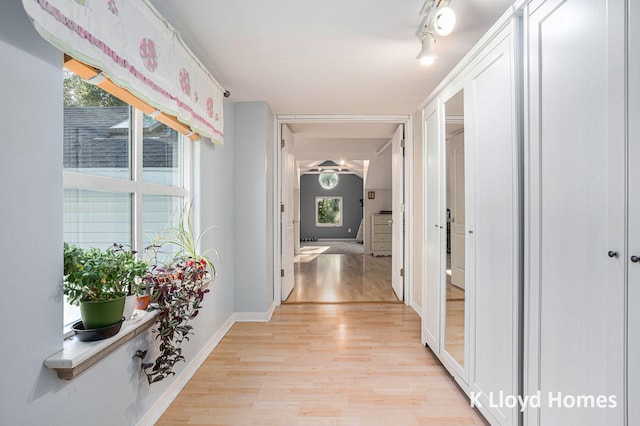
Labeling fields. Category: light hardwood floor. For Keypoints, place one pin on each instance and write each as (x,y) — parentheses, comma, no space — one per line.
(333,278)
(342,364)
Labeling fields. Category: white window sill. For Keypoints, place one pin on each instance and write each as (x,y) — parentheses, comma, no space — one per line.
(76,356)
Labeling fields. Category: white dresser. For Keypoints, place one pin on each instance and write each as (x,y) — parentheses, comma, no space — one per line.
(381,233)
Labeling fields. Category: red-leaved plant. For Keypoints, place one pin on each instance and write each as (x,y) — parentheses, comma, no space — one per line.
(178,289)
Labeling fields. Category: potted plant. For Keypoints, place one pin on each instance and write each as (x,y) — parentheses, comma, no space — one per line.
(98,281)
(178,287)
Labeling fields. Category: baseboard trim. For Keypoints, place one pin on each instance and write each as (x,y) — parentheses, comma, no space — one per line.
(157,409)
(256,316)
(417,307)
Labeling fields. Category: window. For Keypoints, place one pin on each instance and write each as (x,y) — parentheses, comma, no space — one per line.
(125,174)
(328,180)
(328,211)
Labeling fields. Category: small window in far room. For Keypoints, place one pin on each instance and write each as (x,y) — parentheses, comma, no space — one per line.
(328,211)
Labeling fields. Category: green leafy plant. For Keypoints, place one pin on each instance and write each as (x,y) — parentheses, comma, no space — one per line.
(186,243)
(93,275)
(178,288)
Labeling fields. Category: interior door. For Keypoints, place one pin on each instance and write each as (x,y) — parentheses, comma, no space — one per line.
(455,201)
(432,229)
(397,189)
(633,302)
(575,291)
(287,216)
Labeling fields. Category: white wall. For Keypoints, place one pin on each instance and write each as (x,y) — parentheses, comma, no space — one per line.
(113,392)
(213,165)
(379,173)
(378,179)
(253,206)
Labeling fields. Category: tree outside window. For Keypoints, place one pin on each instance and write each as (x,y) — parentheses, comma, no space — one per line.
(328,211)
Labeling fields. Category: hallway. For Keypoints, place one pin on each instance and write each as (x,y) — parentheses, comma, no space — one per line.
(347,364)
(342,278)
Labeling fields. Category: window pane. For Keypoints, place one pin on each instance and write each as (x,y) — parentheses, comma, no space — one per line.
(96,130)
(159,213)
(328,211)
(161,153)
(95,219)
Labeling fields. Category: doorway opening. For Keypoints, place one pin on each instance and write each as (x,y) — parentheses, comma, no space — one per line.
(335,179)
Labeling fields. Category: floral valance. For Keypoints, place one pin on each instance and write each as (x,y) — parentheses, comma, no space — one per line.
(138,50)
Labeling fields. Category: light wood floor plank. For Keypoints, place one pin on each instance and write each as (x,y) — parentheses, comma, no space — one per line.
(340,278)
(350,364)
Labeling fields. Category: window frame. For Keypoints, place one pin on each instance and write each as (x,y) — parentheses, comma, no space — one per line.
(134,185)
(341,205)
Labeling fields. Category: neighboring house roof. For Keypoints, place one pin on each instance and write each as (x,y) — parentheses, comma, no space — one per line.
(98,137)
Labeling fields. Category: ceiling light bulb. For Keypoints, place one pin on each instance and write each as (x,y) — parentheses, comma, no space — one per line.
(428,55)
(444,21)
(427,60)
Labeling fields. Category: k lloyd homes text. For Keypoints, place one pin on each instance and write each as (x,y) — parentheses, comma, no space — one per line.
(538,400)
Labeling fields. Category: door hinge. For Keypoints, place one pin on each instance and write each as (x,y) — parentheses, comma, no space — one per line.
(402,144)
(282,273)
(281,208)
(282,144)
(402,272)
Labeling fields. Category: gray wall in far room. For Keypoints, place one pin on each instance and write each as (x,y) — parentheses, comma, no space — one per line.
(349,188)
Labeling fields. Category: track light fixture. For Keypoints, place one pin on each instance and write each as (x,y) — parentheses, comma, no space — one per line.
(439,19)
(445,21)
(428,55)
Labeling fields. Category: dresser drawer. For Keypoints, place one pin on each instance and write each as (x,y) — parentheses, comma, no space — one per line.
(379,238)
(381,219)
(381,229)
(382,246)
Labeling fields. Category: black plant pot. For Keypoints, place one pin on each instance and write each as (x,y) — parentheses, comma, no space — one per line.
(91,335)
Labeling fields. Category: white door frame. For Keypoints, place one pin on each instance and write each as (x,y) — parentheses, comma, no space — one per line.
(405,119)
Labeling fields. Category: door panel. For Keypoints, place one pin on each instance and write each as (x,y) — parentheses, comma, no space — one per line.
(495,255)
(633,192)
(432,209)
(572,323)
(287,217)
(397,189)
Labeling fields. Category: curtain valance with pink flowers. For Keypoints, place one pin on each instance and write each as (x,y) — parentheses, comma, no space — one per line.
(137,49)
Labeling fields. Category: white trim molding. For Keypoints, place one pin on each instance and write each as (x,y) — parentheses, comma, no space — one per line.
(256,316)
(407,121)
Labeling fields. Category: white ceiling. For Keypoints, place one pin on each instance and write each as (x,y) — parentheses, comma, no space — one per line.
(327,57)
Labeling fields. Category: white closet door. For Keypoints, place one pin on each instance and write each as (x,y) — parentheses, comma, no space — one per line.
(633,304)
(432,230)
(494,140)
(574,322)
